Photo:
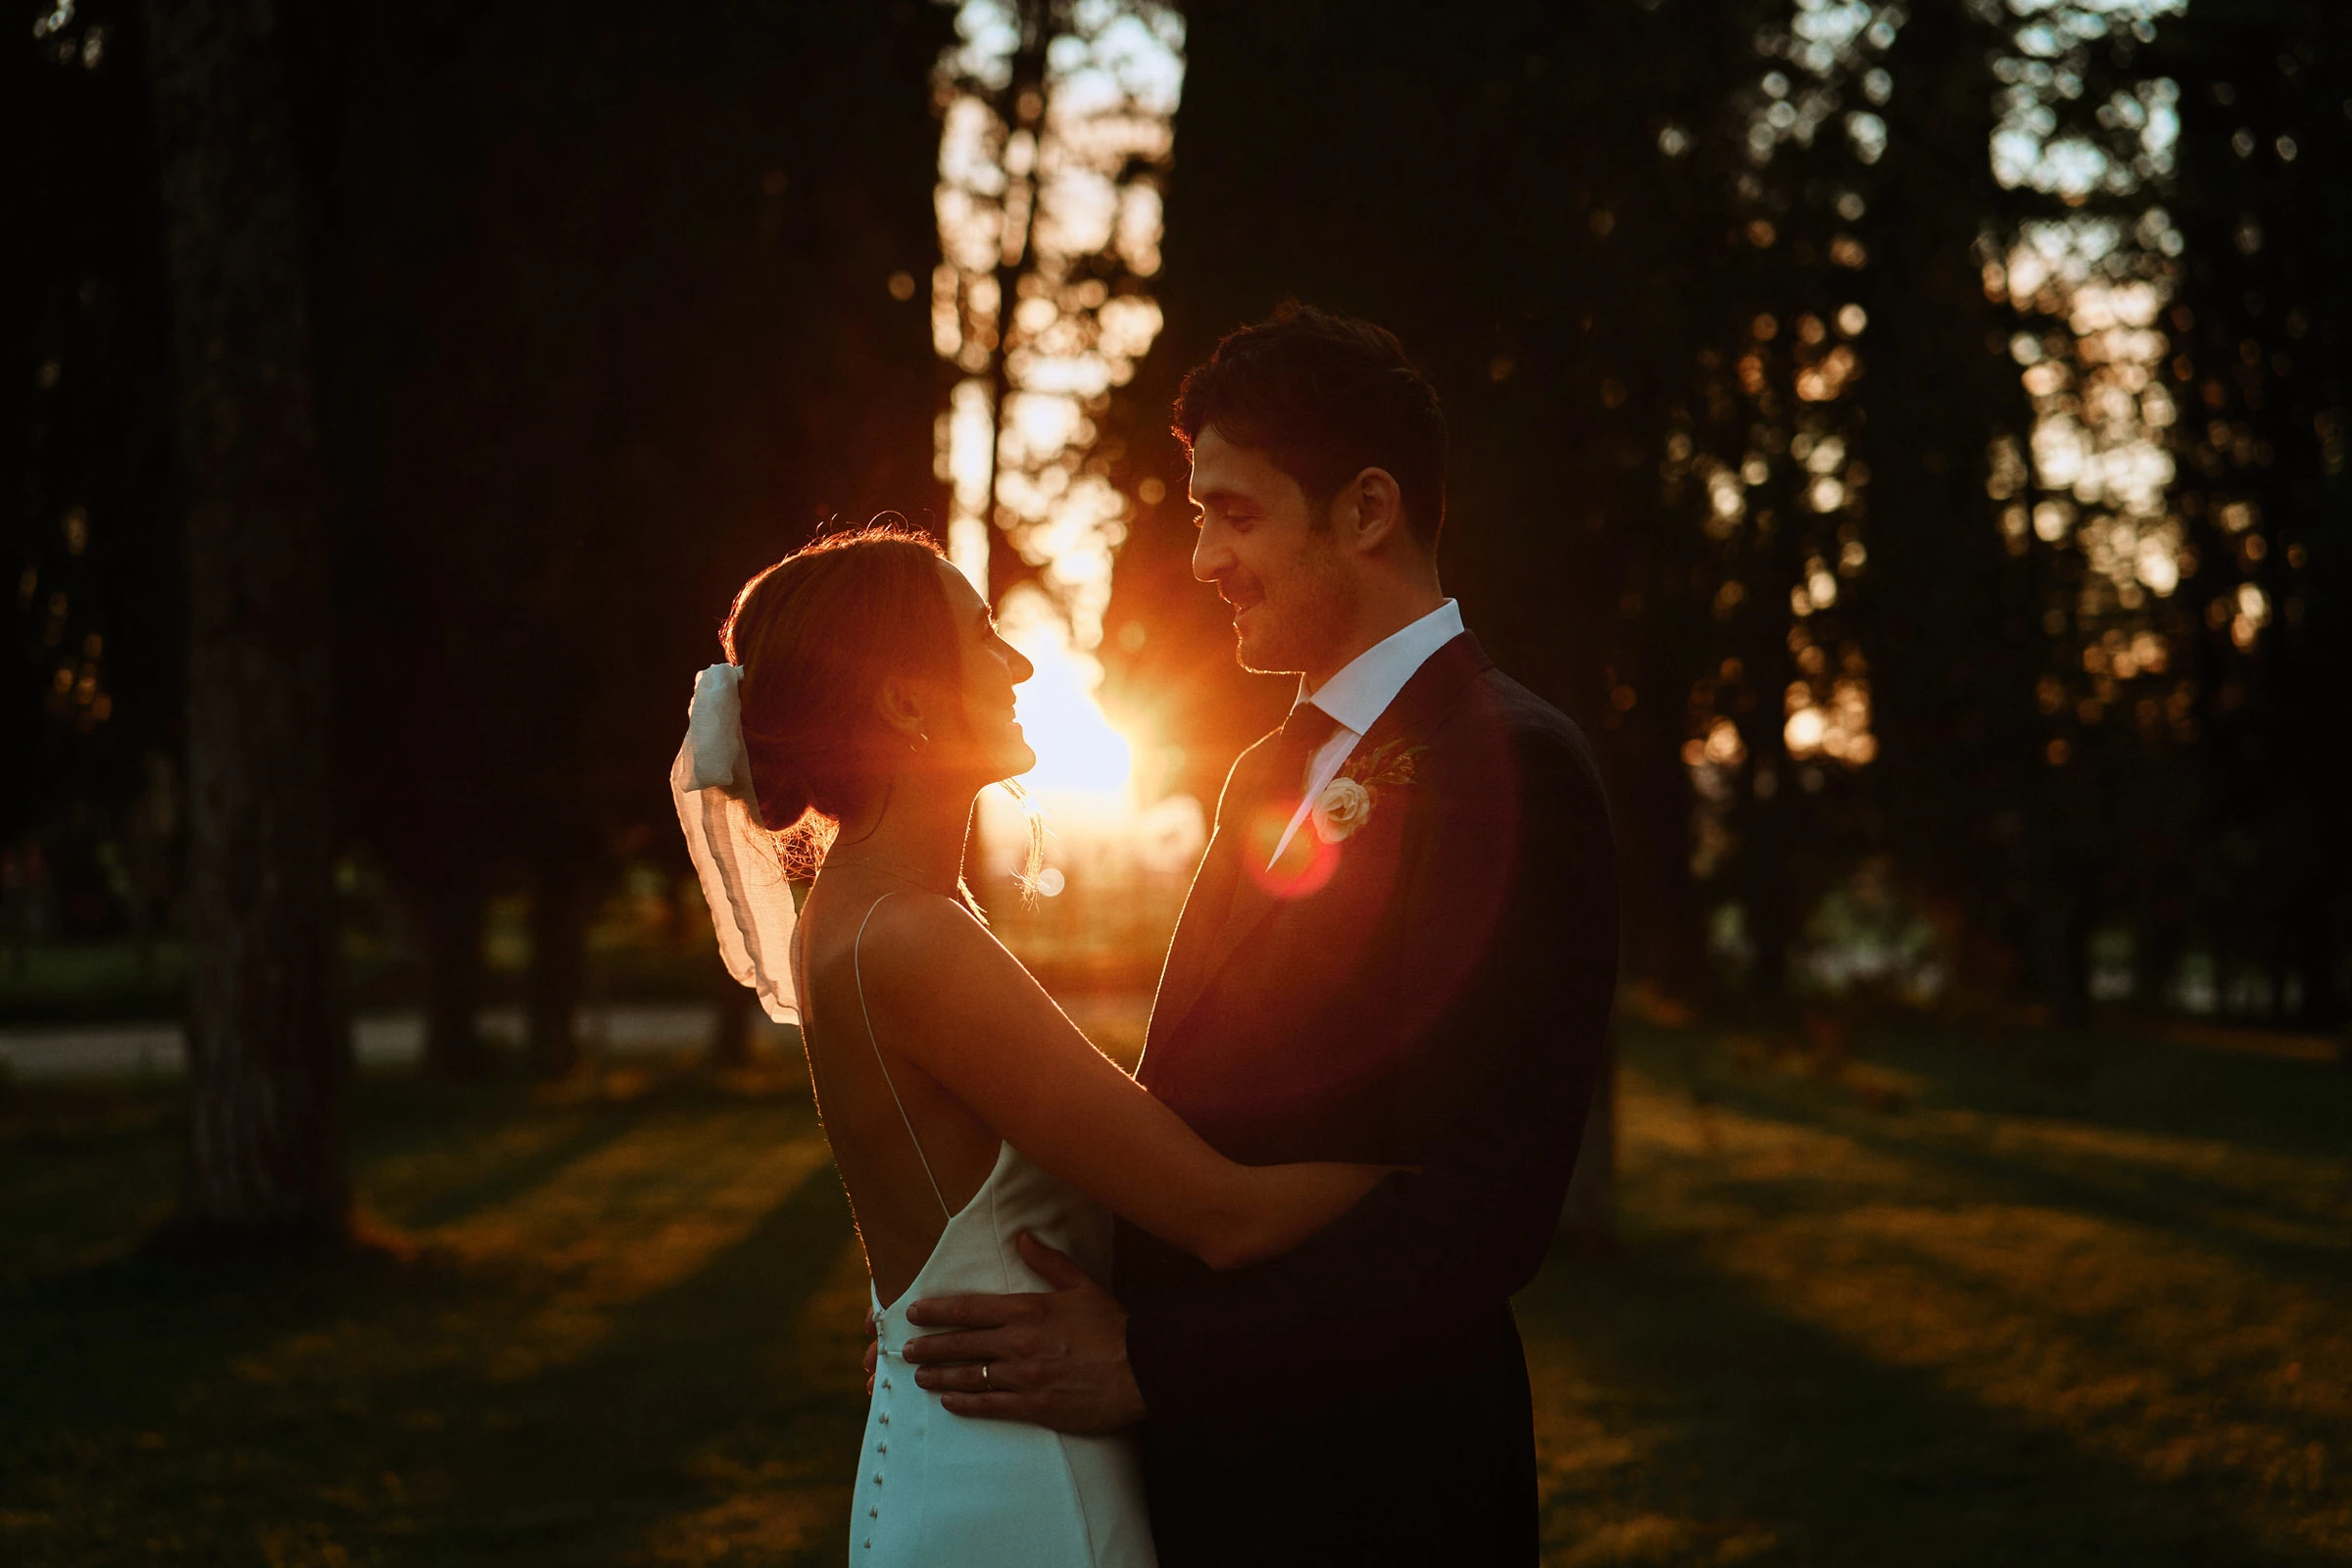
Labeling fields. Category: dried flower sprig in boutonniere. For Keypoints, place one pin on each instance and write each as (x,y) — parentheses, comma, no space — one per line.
(1347,802)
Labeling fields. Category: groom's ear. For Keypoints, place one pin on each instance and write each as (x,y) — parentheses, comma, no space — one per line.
(1369,510)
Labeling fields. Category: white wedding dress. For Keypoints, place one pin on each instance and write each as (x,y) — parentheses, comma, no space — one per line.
(942,1490)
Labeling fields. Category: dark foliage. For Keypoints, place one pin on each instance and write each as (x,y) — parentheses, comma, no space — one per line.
(1502,197)
(603,324)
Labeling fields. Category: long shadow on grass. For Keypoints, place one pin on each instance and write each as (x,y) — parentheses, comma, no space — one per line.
(2149,1196)
(88,1345)
(1746,1424)
(2120,1080)
(510,1179)
(2123,1079)
(2216,1096)
(577,1464)
(138,1407)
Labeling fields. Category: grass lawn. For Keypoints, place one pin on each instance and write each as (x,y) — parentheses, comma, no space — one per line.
(2062,1302)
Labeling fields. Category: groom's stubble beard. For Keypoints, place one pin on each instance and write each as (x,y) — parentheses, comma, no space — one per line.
(1306,612)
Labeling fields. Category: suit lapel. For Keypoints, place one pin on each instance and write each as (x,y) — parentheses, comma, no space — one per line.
(1425,700)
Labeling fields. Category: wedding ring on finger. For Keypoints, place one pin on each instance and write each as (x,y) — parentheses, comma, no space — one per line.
(984,1374)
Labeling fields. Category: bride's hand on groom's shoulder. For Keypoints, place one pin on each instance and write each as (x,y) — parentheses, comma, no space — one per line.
(1055,1358)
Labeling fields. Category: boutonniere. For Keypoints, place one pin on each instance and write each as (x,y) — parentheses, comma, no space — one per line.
(1347,802)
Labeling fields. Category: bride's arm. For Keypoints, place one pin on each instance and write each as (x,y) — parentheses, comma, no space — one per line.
(945,996)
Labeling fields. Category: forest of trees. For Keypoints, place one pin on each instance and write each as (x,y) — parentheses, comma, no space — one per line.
(1909,437)
(1657,346)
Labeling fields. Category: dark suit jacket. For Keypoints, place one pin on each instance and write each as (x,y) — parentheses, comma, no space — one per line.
(1439,1001)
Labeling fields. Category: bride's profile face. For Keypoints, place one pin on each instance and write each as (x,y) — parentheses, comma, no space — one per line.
(991,667)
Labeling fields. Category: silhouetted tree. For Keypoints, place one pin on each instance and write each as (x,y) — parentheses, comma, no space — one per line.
(265,1062)
(2264,331)
(610,313)
(611,324)
(94,621)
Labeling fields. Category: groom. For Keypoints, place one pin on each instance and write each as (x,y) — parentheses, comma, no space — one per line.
(1401,950)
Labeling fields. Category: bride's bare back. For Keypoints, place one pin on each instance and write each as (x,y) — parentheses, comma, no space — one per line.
(899,1214)
(977,1053)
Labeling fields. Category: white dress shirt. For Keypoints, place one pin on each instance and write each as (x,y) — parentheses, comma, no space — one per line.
(1360,693)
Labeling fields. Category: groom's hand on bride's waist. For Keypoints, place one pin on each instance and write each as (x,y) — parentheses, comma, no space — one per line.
(1055,1358)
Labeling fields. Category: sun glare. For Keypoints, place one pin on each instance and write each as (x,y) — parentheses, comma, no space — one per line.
(1105,826)
(1082,765)
(1053,154)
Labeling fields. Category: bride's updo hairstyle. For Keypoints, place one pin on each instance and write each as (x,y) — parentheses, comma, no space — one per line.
(816,635)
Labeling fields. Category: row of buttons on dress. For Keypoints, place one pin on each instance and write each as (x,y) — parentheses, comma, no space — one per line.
(874,1510)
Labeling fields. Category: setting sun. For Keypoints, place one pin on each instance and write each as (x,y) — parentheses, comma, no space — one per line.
(1082,762)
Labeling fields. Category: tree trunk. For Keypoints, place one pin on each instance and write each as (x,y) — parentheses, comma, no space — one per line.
(265,1065)
(731,1020)
(2155,959)
(454,910)
(1588,1218)
(2062,927)
(2311,918)
(1767,880)
(1665,919)
(559,967)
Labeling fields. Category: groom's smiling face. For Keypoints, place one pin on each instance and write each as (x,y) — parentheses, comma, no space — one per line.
(1273,555)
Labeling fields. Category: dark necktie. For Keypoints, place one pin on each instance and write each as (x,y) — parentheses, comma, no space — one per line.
(1302,735)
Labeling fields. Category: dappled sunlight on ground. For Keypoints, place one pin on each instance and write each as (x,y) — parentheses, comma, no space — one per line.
(611,1342)
(765,1510)
(2162,1354)
(1957,1299)
(2122,1301)
(635,1216)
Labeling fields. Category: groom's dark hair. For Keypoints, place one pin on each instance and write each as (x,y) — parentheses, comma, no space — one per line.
(1325,397)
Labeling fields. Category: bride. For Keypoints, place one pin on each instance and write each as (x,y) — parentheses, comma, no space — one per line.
(867,700)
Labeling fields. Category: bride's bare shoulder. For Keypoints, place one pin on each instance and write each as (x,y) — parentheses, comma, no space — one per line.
(905,938)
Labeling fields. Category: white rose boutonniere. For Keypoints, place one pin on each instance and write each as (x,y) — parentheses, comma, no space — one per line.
(1347,802)
(1344,807)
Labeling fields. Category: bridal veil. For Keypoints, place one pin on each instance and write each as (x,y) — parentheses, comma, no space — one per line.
(734,855)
